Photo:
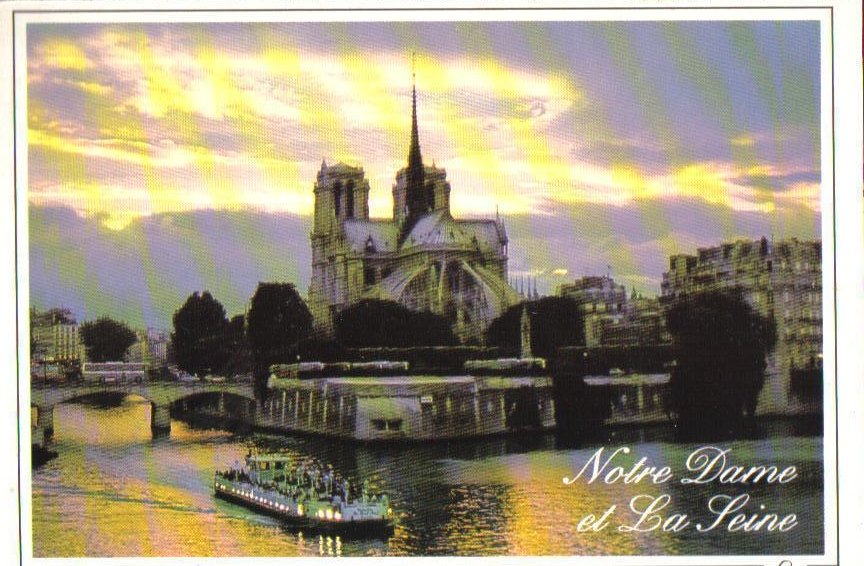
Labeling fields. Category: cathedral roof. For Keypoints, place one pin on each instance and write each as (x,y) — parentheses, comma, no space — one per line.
(439,229)
(379,235)
(490,233)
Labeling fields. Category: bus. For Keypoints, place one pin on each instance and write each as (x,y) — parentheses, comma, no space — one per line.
(114,372)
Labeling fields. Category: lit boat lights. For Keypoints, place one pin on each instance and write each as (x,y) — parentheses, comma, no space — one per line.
(328,513)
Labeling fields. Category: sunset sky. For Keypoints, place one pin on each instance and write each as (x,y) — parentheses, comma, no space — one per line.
(169,158)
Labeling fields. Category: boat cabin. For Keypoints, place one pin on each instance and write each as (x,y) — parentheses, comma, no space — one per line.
(268,468)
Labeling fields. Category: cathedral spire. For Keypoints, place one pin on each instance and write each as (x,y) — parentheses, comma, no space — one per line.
(414,157)
(415,173)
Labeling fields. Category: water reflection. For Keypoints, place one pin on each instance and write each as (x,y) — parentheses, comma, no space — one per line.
(114,491)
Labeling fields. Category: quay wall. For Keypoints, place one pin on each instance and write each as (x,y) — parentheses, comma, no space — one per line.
(408,407)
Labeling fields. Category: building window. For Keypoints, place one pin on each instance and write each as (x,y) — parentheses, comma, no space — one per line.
(337,197)
(349,199)
(369,276)
(430,196)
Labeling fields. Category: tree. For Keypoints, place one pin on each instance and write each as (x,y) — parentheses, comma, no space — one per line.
(555,322)
(375,323)
(106,340)
(720,344)
(239,357)
(199,340)
(277,320)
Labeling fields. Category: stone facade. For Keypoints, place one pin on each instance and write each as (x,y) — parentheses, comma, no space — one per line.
(782,280)
(151,348)
(55,337)
(610,318)
(422,258)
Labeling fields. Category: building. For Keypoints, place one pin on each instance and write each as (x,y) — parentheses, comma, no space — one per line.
(422,258)
(596,294)
(150,348)
(55,337)
(407,407)
(601,301)
(610,318)
(782,280)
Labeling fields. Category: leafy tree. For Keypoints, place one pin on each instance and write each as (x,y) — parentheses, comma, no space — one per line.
(239,357)
(388,324)
(555,322)
(199,341)
(277,320)
(106,340)
(318,349)
(720,344)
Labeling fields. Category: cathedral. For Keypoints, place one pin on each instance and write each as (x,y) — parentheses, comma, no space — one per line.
(422,258)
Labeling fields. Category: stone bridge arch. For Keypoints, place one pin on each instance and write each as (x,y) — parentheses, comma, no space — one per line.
(161,395)
(224,403)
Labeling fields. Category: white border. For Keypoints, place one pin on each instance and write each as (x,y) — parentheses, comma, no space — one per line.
(847,223)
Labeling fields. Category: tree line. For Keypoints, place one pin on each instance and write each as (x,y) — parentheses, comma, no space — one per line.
(719,341)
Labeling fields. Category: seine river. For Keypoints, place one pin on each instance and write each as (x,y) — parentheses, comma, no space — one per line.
(114,491)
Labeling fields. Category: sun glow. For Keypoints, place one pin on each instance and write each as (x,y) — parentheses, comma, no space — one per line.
(201,124)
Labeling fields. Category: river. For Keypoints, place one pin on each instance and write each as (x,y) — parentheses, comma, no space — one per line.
(115,491)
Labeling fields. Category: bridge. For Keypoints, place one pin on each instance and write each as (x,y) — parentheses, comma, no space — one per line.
(161,394)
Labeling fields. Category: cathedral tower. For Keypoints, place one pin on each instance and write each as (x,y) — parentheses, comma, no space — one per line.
(341,197)
(341,193)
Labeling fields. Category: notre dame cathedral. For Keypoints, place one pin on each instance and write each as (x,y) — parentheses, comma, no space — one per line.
(422,258)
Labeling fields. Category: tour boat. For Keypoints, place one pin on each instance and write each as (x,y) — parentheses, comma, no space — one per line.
(304,495)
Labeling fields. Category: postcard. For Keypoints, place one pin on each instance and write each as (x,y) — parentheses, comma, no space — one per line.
(547,284)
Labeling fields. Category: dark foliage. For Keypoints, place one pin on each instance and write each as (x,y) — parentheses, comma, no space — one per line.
(387,324)
(277,320)
(555,322)
(239,357)
(806,383)
(106,340)
(200,338)
(599,360)
(720,344)
(317,349)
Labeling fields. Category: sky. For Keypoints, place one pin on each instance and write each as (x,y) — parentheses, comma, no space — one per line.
(170,158)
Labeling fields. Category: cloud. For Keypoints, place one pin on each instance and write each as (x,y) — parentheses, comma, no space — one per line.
(64,54)
(178,117)
(743,141)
